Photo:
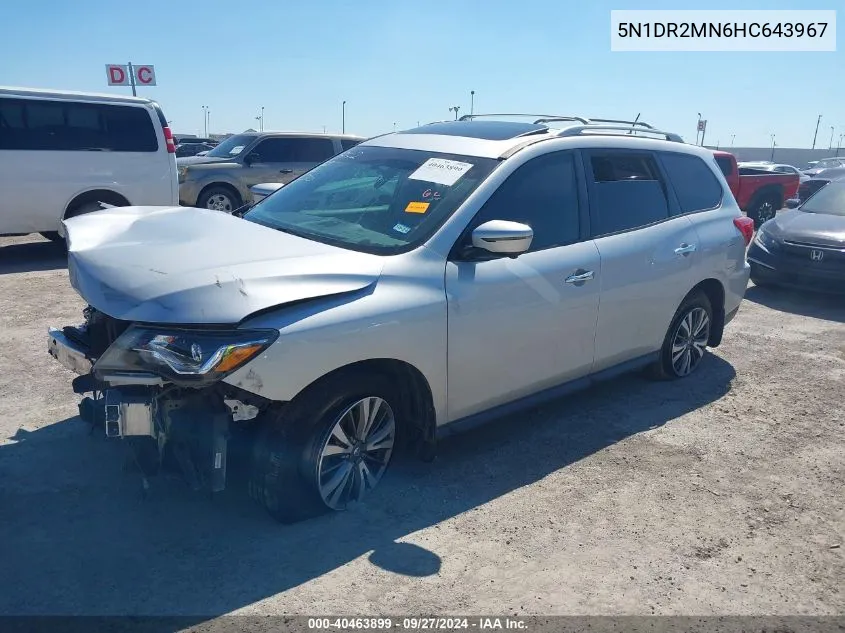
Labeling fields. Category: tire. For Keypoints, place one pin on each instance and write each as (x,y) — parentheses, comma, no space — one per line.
(296,461)
(765,209)
(219,198)
(695,347)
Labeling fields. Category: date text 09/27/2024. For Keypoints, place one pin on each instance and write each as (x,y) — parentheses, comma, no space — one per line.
(416,624)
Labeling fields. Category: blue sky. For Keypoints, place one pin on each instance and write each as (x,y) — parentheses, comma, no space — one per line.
(404,62)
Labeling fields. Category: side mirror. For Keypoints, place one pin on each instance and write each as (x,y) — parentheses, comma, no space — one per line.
(503,237)
(792,203)
(251,158)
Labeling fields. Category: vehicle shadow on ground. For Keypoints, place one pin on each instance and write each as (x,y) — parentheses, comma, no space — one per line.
(32,256)
(78,538)
(805,303)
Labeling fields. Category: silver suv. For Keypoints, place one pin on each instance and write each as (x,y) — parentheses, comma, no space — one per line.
(220,179)
(423,281)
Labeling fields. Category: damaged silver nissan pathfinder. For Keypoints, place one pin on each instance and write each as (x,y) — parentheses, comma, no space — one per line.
(419,282)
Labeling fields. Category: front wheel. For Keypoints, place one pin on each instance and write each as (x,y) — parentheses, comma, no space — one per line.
(331,449)
(219,199)
(685,344)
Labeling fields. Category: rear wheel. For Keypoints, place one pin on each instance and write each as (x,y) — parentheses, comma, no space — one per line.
(764,210)
(685,344)
(331,450)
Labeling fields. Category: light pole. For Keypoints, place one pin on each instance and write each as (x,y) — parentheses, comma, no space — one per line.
(394,126)
(819,120)
(732,139)
(205,121)
(471,101)
(343,118)
(698,128)
(839,144)
(830,147)
(455,110)
(772,157)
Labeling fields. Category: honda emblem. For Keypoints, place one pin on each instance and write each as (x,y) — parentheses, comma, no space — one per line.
(816,256)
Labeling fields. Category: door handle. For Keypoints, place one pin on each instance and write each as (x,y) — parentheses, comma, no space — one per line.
(285,171)
(579,278)
(685,249)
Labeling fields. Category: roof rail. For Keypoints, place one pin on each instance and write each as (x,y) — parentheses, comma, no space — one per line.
(577,130)
(540,117)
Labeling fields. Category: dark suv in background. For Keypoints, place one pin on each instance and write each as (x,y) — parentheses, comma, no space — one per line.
(221,178)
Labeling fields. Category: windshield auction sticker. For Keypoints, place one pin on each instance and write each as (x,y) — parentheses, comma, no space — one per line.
(441,171)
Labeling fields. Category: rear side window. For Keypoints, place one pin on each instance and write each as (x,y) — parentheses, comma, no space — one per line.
(295,150)
(347,143)
(627,192)
(542,193)
(725,164)
(69,126)
(694,184)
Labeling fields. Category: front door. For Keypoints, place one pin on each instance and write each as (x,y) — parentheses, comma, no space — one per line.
(518,326)
(283,158)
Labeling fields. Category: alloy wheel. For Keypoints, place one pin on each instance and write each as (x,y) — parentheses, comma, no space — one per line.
(690,341)
(356,452)
(219,202)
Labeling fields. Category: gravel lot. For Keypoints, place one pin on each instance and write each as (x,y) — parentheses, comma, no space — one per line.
(721,494)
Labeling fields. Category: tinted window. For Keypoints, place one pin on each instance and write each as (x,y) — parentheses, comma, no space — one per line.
(69,126)
(626,193)
(695,185)
(295,150)
(542,193)
(725,164)
(347,143)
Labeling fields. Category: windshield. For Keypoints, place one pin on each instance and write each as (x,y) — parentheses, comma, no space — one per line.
(829,200)
(374,199)
(232,146)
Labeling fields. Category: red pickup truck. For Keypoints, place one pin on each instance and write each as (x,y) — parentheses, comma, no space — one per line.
(758,192)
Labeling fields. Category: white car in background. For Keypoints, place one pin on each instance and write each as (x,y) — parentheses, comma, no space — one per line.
(776,167)
(64,153)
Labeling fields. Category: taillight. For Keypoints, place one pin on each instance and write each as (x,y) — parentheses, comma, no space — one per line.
(168,138)
(746,227)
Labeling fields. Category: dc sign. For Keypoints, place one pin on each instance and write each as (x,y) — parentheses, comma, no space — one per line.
(131,75)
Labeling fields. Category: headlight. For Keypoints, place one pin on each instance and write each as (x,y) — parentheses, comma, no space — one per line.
(182,356)
(183,174)
(764,240)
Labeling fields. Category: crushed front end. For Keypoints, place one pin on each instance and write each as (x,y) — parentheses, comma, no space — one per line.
(160,389)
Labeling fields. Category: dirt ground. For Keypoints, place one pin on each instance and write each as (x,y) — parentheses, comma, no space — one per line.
(720,494)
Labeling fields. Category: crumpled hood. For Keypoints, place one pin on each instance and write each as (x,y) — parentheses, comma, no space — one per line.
(812,228)
(198,266)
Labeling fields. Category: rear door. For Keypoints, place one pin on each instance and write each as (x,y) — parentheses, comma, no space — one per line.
(647,252)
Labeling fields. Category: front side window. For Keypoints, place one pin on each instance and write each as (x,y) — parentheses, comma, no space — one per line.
(374,199)
(694,184)
(627,192)
(542,193)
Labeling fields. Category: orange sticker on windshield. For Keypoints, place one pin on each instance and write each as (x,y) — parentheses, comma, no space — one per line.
(417,207)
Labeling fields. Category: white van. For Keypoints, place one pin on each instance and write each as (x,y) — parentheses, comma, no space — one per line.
(63,153)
